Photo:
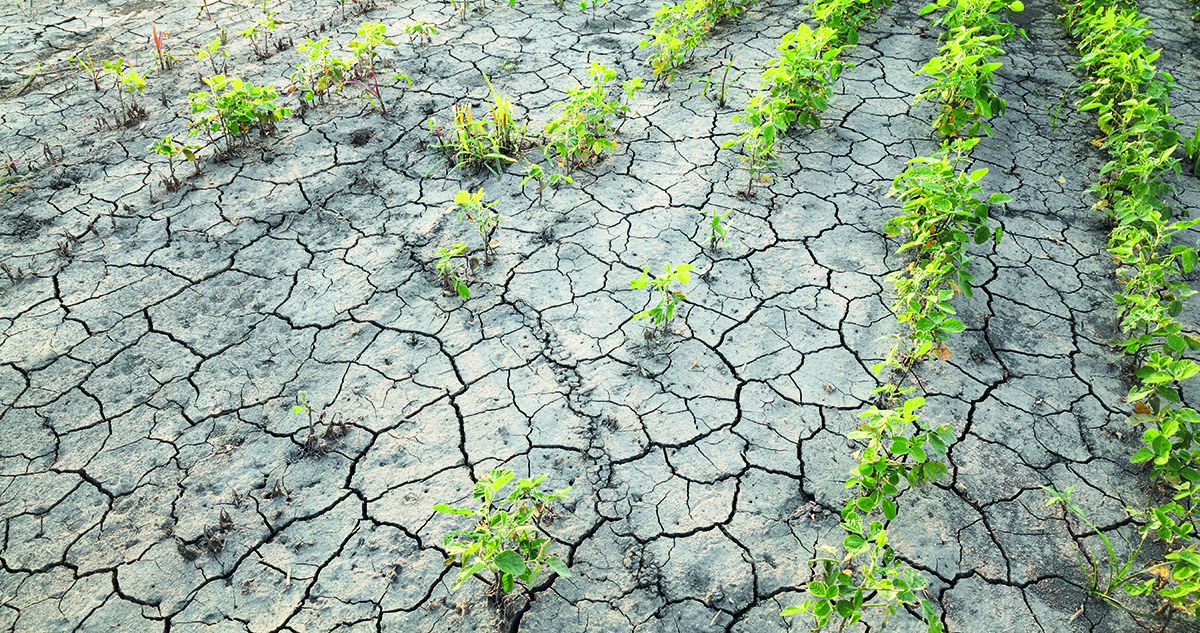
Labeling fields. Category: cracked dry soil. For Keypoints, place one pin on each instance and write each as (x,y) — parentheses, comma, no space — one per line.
(153,478)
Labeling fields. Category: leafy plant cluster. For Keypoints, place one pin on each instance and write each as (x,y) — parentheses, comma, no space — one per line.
(795,86)
(583,130)
(680,29)
(1131,100)
(488,142)
(508,540)
(794,90)
(232,107)
(942,214)
(963,72)
(870,575)
(325,73)
(846,16)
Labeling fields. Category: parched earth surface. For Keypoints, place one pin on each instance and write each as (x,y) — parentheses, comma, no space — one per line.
(154,478)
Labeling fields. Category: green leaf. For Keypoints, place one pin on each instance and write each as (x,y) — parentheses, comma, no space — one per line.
(854,543)
(511,562)
(462,197)
(559,567)
(889,509)
(441,507)
(1016,5)
(979,173)
(982,234)
(1141,456)
(953,325)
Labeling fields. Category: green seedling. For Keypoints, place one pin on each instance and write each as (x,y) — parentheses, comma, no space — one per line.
(584,4)
(259,35)
(962,82)
(941,215)
(371,95)
(126,81)
(1055,112)
(668,297)
(371,36)
(507,539)
(170,148)
(724,82)
(11,180)
(846,16)
(1106,572)
(981,14)
(420,30)
(92,68)
(581,133)
(321,74)
(718,227)
(1191,146)
(472,207)
(677,32)
(535,172)
(233,107)
(164,58)
(891,456)
(210,53)
(488,142)
(463,7)
(453,272)
(794,90)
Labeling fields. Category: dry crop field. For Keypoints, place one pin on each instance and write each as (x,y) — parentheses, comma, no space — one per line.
(738,317)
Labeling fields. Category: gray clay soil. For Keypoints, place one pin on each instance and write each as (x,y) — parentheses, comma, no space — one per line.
(148,369)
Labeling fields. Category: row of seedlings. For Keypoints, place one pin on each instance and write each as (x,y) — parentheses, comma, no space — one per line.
(680,29)
(941,216)
(1130,97)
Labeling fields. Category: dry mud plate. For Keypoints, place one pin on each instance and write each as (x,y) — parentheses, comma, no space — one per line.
(154,478)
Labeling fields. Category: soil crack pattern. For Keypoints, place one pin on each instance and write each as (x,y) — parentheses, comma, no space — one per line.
(165,301)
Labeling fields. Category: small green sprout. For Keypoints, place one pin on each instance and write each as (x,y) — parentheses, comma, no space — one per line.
(668,297)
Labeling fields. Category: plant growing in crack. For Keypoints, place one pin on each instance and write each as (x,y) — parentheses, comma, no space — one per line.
(846,16)
(1191,146)
(90,67)
(259,34)
(472,207)
(794,90)
(232,107)
(585,4)
(420,32)
(507,540)
(126,80)
(314,444)
(870,576)
(718,227)
(454,266)
(940,217)
(170,148)
(535,172)
(211,53)
(471,142)
(371,95)
(321,74)
(668,296)
(371,36)
(162,55)
(581,133)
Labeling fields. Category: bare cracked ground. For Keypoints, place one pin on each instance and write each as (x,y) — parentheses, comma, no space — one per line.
(152,476)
